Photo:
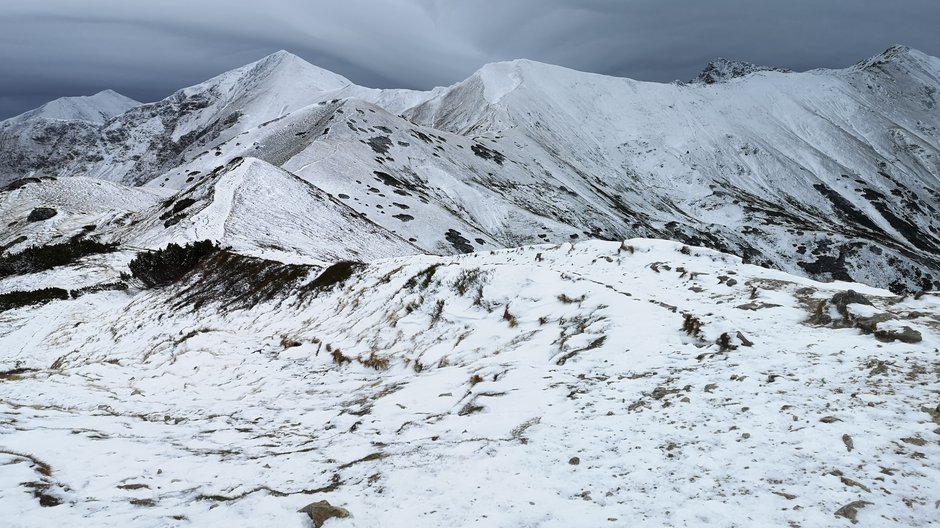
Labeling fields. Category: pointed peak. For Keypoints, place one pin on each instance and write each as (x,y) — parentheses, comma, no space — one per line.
(282,67)
(109,94)
(897,54)
(281,56)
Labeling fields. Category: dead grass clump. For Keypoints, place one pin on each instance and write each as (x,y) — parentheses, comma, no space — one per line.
(423,278)
(339,358)
(510,318)
(438,311)
(724,343)
(15,374)
(692,325)
(478,300)
(287,342)
(565,299)
(820,314)
(375,362)
(469,279)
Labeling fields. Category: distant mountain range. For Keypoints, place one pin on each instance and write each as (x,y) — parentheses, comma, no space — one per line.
(833,174)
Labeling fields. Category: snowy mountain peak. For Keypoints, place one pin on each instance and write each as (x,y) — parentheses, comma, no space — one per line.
(900,59)
(281,75)
(721,70)
(289,68)
(500,78)
(96,108)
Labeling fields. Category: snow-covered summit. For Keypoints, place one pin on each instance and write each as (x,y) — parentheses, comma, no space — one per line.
(290,76)
(96,108)
(903,62)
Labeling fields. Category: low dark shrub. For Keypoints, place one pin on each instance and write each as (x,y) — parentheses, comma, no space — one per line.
(104,286)
(41,258)
(336,274)
(168,265)
(237,281)
(17,299)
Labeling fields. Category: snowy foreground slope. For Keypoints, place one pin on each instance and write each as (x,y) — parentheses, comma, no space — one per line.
(597,384)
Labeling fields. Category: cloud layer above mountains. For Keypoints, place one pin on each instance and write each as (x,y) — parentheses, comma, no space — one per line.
(146,50)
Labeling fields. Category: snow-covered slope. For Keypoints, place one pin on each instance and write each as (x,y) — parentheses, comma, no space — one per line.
(597,384)
(96,108)
(37,212)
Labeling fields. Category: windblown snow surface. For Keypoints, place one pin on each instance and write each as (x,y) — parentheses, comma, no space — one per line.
(539,386)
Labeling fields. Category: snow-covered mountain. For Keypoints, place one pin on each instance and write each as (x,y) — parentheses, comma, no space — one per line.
(401,315)
(96,109)
(834,174)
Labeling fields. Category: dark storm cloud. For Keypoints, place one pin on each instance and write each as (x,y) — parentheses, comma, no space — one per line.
(51,48)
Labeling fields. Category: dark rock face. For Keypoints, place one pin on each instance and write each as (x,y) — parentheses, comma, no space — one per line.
(723,69)
(41,213)
(457,240)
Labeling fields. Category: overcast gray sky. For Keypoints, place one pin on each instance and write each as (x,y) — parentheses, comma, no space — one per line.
(147,50)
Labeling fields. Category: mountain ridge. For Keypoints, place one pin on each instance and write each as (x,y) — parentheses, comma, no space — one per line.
(95,109)
(825,172)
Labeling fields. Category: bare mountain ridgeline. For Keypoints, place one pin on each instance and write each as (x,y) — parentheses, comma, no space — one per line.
(834,174)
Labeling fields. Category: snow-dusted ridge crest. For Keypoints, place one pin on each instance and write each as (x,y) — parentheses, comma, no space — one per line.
(95,109)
